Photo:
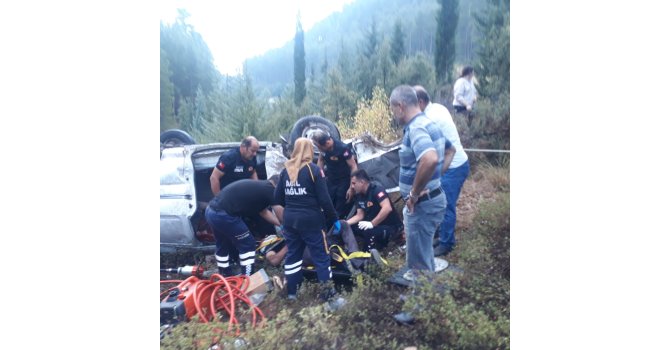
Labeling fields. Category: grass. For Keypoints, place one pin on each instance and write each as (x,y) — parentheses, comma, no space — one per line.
(468,310)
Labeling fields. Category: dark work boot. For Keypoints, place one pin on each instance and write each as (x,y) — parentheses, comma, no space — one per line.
(226,271)
(441,250)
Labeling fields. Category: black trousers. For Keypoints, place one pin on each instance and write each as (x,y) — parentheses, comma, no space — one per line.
(338,194)
(376,237)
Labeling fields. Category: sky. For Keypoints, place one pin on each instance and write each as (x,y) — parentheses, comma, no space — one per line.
(236,30)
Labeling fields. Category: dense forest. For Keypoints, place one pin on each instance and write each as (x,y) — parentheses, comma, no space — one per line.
(340,62)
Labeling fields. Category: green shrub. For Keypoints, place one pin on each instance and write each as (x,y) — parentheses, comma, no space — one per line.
(484,253)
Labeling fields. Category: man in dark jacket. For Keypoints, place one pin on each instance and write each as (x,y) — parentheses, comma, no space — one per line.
(375,221)
(339,163)
(224,215)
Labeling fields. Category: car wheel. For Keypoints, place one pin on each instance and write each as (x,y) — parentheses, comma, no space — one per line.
(307,125)
(176,137)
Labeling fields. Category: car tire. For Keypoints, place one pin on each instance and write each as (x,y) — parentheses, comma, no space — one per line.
(308,124)
(176,137)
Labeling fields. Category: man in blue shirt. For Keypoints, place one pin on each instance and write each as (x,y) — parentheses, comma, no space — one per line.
(423,153)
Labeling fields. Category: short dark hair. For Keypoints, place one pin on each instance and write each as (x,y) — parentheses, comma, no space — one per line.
(361,175)
(421,93)
(248,141)
(466,71)
(321,137)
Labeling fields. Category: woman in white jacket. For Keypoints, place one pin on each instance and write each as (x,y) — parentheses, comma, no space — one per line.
(465,93)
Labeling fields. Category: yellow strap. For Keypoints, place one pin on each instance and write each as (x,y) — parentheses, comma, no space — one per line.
(337,257)
(353,255)
(267,243)
(310,172)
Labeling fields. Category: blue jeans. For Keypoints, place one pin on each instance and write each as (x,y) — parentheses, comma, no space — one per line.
(452,182)
(420,227)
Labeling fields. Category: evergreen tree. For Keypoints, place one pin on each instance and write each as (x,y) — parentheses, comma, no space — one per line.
(367,68)
(445,39)
(338,102)
(385,65)
(372,41)
(415,70)
(299,63)
(324,66)
(493,69)
(216,126)
(398,46)
(167,95)
(247,109)
(190,60)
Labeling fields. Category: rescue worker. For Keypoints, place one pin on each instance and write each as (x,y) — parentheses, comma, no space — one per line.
(302,192)
(224,215)
(339,164)
(375,221)
(236,164)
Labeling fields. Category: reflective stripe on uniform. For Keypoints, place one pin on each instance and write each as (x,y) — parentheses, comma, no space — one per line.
(290,266)
(222,261)
(245,262)
(292,271)
(247,255)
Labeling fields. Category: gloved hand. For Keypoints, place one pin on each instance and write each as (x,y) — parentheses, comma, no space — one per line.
(337,227)
(365,225)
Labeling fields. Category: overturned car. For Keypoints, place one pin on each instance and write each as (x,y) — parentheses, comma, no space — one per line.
(185,168)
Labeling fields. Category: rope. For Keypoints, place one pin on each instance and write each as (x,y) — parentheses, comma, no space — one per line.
(487,150)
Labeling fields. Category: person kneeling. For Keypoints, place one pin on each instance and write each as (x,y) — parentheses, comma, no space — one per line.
(375,220)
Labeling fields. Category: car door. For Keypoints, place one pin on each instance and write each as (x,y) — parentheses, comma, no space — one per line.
(177,197)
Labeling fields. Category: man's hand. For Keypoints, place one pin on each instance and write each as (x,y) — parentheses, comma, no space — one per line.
(412,200)
(410,204)
(365,225)
(468,107)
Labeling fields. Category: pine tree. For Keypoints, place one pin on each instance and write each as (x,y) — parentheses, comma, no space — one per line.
(247,109)
(299,63)
(191,62)
(367,67)
(384,65)
(167,95)
(338,102)
(372,42)
(398,46)
(445,39)
(493,69)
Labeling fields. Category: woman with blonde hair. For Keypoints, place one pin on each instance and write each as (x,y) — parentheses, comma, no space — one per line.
(303,193)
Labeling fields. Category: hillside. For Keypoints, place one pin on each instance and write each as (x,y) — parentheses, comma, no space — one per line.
(346,32)
(473,315)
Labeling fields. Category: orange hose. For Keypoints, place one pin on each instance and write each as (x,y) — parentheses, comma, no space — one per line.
(225,292)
